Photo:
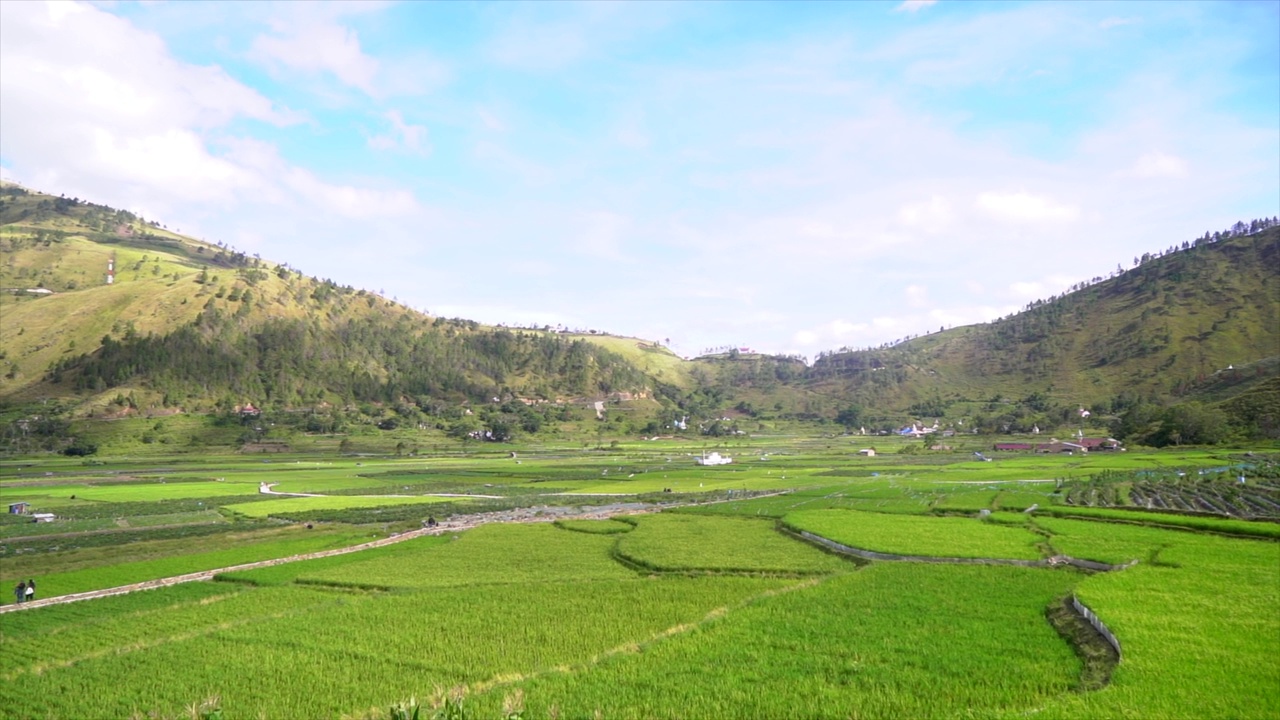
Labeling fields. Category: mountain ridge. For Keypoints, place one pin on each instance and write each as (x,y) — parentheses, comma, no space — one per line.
(187,324)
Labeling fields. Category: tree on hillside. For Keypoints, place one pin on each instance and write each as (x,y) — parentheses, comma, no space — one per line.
(850,417)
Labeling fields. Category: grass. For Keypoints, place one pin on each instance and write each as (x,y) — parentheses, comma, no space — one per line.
(360,650)
(488,555)
(289,507)
(596,527)
(682,543)
(890,641)
(924,536)
(62,573)
(548,610)
(1195,619)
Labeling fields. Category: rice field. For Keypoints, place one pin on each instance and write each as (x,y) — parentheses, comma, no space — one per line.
(709,610)
(290,506)
(923,536)
(691,543)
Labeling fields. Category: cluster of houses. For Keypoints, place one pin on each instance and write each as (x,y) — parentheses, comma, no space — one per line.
(1080,445)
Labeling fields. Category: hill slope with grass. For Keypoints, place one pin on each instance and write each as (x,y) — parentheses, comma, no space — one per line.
(185,324)
(1199,320)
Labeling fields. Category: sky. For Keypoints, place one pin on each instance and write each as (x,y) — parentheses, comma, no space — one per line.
(790,177)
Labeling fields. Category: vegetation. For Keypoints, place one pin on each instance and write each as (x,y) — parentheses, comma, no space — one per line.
(147,415)
(924,536)
(1178,350)
(706,611)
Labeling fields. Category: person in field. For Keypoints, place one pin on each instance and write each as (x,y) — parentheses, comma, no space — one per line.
(20,592)
(31,590)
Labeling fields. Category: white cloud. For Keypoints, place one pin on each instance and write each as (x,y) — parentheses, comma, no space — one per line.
(1160,165)
(913,6)
(402,135)
(805,338)
(349,201)
(92,106)
(917,295)
(1027,290)
(1022,207)
(933,215)
(320,47)
(310,39)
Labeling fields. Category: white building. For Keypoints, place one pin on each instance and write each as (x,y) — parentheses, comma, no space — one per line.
(714,459)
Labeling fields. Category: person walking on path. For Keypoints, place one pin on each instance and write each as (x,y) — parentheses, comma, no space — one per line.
(31,590)
(20,592)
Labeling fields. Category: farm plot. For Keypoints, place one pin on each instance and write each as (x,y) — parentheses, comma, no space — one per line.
(72,571)
(893,640)
(292,506)
(1105,542)
(596,527)
(491,554)
(924,536)
(137,492)
(681,542)
(872,496)
(317,653)
(1199,622)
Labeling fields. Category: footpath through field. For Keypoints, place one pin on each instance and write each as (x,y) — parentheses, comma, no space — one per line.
(466,522)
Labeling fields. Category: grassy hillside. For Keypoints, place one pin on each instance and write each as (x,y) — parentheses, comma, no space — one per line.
(189,325)
(193,327)
(1202,319)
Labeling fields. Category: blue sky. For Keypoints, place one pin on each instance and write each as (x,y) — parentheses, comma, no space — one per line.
(792,177)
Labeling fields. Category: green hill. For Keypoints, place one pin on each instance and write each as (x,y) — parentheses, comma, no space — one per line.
(1198,322)
(184,324)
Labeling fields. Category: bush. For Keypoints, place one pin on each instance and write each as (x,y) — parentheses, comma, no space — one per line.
(80,449)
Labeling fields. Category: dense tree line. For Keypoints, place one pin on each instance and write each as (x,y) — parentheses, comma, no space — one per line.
(292,362)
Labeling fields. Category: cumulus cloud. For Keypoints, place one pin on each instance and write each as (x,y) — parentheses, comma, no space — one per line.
(319,47)
(1022,207)
(93,106)
(311,40)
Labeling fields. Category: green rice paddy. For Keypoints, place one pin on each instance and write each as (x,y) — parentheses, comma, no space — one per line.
(712,610)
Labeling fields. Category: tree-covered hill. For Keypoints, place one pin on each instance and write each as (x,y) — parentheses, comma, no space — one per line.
(187,324)
(1198,317)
